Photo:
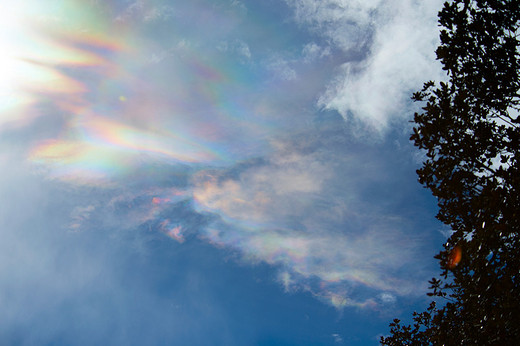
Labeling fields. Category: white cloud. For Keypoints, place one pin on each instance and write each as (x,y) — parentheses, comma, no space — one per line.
(344,22)
(337,338)
(243,49)
(312,52)
(387,298)
(398,38)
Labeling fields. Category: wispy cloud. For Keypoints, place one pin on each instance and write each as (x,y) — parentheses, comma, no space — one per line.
(312,51)
(346,24)
(283,211)
(238,47)
(145,11)
(282,69)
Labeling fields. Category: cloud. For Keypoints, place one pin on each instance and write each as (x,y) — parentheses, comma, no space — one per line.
(268,189)
(345,24)
(312,51)
(189,143)
(144,11)
(79,215)
(238,47)
(337,338)
(396,41)
(288,211)
(387,298)
(282,69)
(93,286)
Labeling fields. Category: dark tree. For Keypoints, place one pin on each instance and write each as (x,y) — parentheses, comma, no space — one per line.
(469,130)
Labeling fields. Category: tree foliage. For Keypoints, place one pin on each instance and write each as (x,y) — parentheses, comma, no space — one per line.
(470,132)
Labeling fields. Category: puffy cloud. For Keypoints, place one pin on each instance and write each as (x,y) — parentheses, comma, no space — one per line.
(389,48)
(387,298)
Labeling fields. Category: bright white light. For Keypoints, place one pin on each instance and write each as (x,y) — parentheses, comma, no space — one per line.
(13,69)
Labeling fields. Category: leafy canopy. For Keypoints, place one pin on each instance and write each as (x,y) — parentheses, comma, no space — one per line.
(470,132)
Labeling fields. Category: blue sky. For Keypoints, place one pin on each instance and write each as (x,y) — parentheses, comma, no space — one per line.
(212,172)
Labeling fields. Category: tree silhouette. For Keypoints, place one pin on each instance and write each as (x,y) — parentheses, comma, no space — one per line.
(469,130)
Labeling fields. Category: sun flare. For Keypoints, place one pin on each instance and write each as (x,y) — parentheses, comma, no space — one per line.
(14,69)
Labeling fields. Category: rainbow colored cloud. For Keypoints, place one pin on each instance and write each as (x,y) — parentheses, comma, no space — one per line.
(124,93)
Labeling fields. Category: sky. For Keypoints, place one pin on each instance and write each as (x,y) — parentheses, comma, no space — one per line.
(226,172)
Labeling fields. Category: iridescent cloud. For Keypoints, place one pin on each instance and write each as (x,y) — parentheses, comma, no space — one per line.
(94,70)
(281,212)
(130,85)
